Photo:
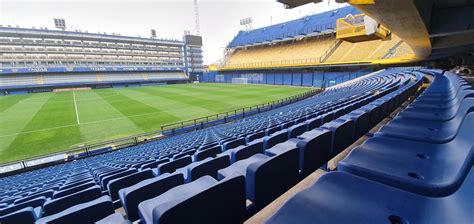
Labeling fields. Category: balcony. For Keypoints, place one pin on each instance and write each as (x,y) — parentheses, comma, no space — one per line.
(360,28)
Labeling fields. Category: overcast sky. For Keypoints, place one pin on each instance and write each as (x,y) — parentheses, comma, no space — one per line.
(219,19)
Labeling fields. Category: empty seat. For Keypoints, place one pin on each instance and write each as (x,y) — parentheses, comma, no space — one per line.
(131,196)
(314,149)
(89,212)
(420,167)
(47,194)
(210,152)
(371,202)
(73,190)
(343,134)
(267,177)
(272,130)
(154,164)
(183,154)
(296,130)
(275,138)
(171,166)
(115,218)
(115,185)
(252,137)
(361,122)
(232,144)
(209,166)
(54,206)
(314,123)
(204,200)
(37,202)
(245,151)
(107,179)
(23,216)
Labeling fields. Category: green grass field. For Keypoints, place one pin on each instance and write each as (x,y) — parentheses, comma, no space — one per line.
(42,123)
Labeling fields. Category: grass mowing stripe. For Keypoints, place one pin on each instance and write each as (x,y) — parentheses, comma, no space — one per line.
(15,119)
(232,94)
(182,108)
(221,101)
(111,113)
(207,101)
(100,120)
(57,111)
(9,101)
(129,107)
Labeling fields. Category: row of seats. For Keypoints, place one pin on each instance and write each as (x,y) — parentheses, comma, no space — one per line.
(231,167)
(321,22)
(415,169)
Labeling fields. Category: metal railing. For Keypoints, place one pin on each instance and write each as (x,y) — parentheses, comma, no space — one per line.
(229,116)
(83,151)
(79,152)
(330,50)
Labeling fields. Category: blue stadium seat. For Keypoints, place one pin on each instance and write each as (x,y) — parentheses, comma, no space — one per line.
(37,202)
(74,189)
(115,218)
(361,122)
(153,164)
(88,212)
(296,130)
(209,166)
(269,131)
(109,178)
(343,134)
(314,123)
(206,153)
(244,151)
(204,200)
(275,138)
(372,202)
(30,197)
(57,205)
(314,149)
(266,176)
(171,166)
(425,161)
(254,136)
(23,216)
(115,185)
(232,144)
(185,153)
(131,196)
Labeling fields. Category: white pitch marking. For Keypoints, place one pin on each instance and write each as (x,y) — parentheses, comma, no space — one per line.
(75,107)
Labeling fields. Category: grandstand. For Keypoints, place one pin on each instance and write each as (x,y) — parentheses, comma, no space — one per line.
(396,128)
(310,40)
(41,60)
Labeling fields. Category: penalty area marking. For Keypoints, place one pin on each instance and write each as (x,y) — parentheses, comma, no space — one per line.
(75,107)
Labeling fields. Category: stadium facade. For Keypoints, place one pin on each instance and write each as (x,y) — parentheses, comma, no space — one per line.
(34,60)
(306,52)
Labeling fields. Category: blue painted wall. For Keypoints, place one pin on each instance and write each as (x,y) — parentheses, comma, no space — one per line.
(294,78)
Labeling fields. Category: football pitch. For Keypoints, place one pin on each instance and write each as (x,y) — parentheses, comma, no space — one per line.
(41,123)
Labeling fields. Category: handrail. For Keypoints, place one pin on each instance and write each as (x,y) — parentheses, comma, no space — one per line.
(330,50)
(229,116)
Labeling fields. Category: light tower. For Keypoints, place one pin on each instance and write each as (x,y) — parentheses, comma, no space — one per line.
(60,24)
(247,22)
(196,15)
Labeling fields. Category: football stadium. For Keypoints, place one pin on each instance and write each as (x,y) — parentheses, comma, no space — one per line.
(360,113)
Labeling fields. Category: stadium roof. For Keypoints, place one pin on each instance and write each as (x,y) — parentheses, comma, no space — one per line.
(45,33)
